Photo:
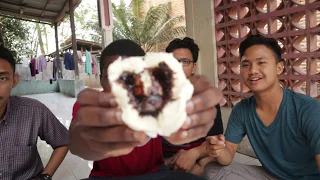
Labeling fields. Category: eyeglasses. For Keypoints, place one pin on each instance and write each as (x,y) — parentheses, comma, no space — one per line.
(185,62)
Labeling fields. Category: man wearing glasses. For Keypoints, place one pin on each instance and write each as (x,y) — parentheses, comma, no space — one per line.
(191,157)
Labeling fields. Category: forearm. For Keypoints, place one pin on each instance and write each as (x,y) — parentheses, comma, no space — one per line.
(55,160)
(225,157)
(201,151)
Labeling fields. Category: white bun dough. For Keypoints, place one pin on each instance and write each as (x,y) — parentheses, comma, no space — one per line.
(173,114)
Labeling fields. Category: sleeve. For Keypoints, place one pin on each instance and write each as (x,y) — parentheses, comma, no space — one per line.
(75,109)
(310,117)
(52,130)
(235,129)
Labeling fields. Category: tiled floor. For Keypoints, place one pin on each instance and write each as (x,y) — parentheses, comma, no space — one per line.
(74,167)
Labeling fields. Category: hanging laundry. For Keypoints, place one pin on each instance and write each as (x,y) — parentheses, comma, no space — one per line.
(37,65)
(88,66)
(42,63)
(94,64)
(32,66)
(68,61)
(80,57)
(54,68)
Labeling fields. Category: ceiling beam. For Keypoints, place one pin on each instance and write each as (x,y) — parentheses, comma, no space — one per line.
(17,14)
(26,6)
(61,13)
(24,19)
(45,6)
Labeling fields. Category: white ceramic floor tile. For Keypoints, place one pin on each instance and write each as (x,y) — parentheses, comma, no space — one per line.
(80,171)
(66,178)
(63,172)
(73,159)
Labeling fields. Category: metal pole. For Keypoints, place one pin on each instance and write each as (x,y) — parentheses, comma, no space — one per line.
(57,52)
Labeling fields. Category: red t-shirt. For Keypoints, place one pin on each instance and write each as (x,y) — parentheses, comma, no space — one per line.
(142,160)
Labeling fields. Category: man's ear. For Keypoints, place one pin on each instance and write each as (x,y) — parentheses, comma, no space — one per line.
(280,67)
(15,80)
(194,68)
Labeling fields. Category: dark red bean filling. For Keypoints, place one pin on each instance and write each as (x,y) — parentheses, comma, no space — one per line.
(159,92)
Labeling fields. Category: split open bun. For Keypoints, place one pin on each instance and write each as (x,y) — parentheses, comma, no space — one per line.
(152,91)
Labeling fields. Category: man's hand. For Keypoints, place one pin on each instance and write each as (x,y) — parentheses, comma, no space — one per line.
(201,112)
(215,145)
(185,160)
(98,131)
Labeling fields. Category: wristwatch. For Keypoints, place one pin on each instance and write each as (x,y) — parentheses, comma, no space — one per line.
(44,177)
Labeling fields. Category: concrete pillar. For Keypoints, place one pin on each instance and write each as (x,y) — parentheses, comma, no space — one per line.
(105,20)
(200,27)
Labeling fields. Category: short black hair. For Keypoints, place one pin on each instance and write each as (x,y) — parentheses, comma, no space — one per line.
(7,55)
(122,47)
(270,43)
(187,43)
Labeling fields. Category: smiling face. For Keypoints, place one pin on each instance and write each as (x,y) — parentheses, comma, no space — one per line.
(259,69)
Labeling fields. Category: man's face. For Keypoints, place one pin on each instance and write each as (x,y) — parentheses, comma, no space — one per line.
(8,80)
(259,68)
(184,55)
(104,81)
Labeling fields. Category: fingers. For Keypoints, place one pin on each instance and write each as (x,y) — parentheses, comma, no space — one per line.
(99,117)
(201,118)
(114,134)
(212,140)
(195,132)
(206,100)
(215,153)
(90,97)
(175,158)
(200,83)
(215,145)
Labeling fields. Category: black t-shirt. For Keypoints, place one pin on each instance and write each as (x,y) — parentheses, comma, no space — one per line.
(217,128)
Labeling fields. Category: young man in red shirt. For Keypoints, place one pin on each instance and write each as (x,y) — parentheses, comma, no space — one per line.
(98,133)
(190,157)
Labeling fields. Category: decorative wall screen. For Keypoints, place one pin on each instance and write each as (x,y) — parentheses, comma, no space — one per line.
(296,26)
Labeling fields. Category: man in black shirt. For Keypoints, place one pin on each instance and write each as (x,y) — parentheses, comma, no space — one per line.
(191,157)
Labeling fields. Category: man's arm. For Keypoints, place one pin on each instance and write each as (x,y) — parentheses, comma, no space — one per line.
(318,161)
(200,151)
(223,148)
(227,153)
(55,160)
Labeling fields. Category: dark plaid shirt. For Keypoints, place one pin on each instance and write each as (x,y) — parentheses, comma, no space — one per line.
(26,120)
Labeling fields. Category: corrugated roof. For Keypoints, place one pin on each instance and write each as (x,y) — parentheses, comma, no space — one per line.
(45,11)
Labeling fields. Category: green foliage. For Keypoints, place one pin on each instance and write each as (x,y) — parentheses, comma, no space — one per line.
(155,27)
(16,36)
